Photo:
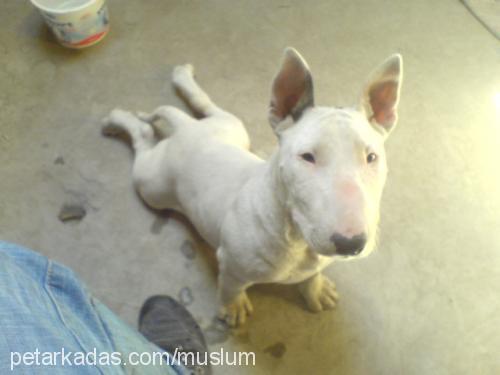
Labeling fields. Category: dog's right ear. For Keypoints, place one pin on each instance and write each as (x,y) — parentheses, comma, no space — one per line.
(292,90)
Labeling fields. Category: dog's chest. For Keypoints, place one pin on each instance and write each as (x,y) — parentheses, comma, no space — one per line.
(300,263)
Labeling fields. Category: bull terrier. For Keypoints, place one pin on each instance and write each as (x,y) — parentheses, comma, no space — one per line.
(283,220)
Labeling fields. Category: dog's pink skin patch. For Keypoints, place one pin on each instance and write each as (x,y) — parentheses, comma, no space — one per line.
(383,100)
(349,188)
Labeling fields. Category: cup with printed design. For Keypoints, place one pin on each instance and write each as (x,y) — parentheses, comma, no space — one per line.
(75,23)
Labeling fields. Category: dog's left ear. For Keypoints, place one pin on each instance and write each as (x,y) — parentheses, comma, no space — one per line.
(292,90)
(381,94)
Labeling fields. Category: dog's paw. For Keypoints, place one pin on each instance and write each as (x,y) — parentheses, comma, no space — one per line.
(181,72)
(146,117)
(236,312)
(108,128)
(319,293)
(110,125)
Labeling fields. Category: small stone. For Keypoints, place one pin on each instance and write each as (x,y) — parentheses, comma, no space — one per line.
(71,212)
(59,160)
(188,250)
(185,296)
(217,332)
(276,350)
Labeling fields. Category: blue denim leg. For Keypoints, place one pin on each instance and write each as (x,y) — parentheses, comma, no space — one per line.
(45,308)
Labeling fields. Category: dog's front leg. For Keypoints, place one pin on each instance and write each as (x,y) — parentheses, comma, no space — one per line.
(319,292)
(235,305)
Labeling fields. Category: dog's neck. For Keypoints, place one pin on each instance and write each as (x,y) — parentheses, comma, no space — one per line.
(270,208)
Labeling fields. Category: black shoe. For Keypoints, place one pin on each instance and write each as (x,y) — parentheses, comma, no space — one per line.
(166,323)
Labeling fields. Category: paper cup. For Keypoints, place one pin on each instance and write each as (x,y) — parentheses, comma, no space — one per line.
(75,23)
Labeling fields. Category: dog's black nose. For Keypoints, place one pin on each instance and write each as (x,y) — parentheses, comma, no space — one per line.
(348,246)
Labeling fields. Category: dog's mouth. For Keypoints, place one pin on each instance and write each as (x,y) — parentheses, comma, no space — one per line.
(336,246)
(355,248)
(332,252)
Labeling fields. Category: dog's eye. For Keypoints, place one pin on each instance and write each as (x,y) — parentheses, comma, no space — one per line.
(308,157)
(371,157)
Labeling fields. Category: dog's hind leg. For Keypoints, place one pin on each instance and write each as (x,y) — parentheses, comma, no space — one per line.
(141,134)
(227,126)
(174,116)
(151,172)
(198,99)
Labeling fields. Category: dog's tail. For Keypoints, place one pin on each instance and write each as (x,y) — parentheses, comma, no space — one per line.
(141,133)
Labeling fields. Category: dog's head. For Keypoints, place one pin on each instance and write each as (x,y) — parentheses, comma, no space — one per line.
(332,163)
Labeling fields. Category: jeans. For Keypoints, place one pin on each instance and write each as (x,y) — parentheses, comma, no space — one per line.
(51,324)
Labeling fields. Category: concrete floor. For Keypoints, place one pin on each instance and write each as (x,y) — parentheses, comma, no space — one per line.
(427,302)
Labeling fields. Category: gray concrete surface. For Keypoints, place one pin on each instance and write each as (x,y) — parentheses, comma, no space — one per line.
(427,302)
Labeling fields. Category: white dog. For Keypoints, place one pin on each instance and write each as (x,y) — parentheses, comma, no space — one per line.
(283,220)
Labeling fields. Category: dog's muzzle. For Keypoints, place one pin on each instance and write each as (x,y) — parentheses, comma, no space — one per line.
(348,246)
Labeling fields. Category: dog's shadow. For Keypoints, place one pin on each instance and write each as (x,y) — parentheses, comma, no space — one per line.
(287,338)
(284,335)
